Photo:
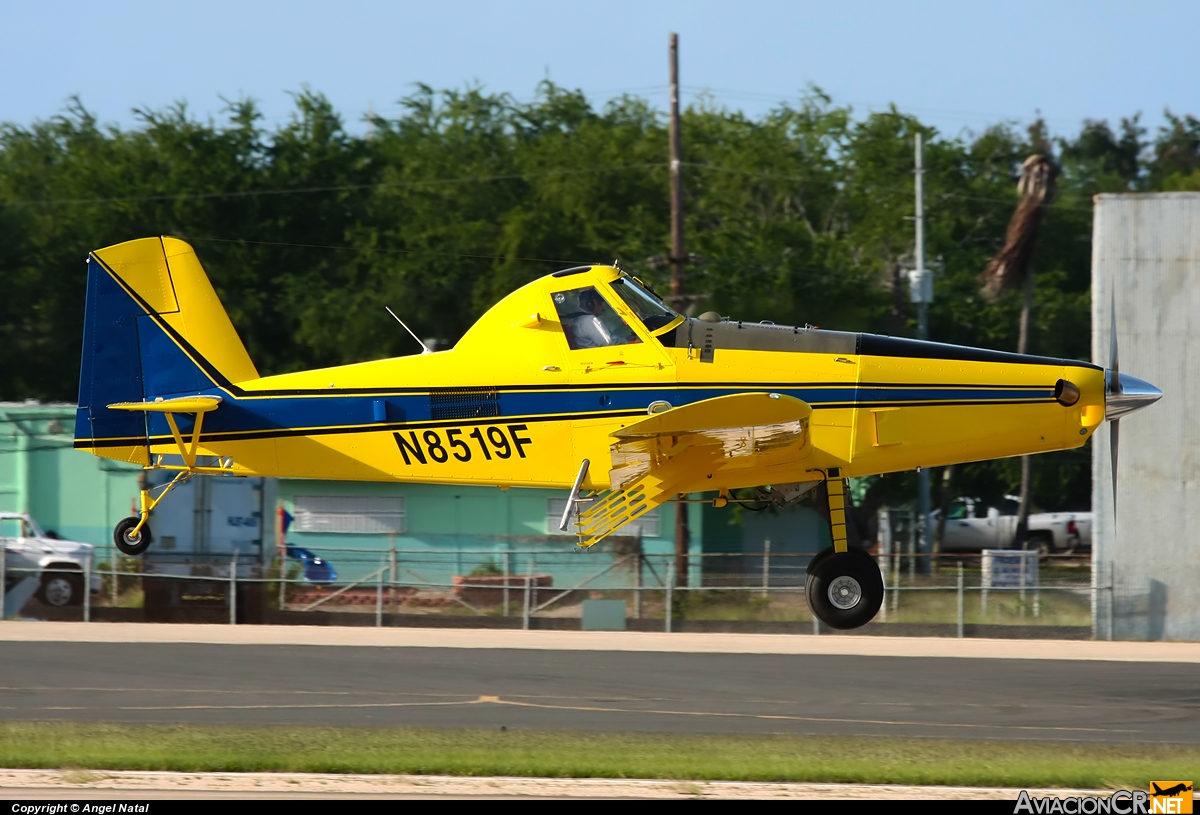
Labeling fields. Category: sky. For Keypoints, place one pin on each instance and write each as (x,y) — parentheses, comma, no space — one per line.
(959,66)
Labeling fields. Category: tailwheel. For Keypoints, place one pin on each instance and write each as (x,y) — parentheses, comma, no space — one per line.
(132,535)
(129,542)
(844,589)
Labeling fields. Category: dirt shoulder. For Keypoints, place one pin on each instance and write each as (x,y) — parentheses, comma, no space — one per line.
(1177,652)
(68,784)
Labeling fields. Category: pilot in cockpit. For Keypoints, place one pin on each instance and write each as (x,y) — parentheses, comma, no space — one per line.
(588,320)
(588,328)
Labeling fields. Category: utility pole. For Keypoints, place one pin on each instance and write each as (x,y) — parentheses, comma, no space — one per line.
(921,290)
(677,256)
(677,298)
(1022,531)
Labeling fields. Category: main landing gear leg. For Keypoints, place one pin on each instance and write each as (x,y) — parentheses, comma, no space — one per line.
(132,535)
(843,586)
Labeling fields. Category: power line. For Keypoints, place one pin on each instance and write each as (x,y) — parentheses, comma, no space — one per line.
(474,179)
(828,270)
(831,268)
(377,250)
(477,179)
(1013,203)
(332,188)
(1010,202)
(766,96)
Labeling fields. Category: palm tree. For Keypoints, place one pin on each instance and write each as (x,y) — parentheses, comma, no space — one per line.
(1013,268)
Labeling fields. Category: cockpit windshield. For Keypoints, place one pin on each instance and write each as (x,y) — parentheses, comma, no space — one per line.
(652,311)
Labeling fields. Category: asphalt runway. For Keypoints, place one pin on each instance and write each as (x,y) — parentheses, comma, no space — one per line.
(1078,699)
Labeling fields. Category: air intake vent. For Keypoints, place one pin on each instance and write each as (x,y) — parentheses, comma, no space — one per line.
(464,403)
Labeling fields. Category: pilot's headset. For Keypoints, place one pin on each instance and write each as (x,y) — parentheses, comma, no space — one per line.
(588,300)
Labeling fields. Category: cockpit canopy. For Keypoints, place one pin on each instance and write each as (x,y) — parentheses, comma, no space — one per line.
(590,321)
(572,310)
(645,303)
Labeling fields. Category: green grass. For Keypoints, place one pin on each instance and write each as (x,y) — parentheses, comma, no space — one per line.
(1053,608)
(861,760)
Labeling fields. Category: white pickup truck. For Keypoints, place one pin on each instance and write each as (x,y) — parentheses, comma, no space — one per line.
(58,564)
(972,527)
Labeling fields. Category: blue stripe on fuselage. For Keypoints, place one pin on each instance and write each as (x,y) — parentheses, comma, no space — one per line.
(358,413)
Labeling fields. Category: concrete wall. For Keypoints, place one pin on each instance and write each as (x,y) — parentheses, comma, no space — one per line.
(1146,259)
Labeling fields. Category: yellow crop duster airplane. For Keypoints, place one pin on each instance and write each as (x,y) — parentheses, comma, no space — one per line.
(581,380)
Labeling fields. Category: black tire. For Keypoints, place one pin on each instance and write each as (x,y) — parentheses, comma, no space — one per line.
(813,564)
(816,560)
(1040,542)
(131,546)
(60,588)
(844,589)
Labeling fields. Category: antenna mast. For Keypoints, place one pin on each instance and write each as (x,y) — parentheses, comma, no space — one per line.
(427,350)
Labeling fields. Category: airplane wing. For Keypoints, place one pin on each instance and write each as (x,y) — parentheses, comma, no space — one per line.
(736,412)
(729,431)
(672,452)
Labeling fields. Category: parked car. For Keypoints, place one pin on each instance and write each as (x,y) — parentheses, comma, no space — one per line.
(972,527)
(59,564)
(316,569)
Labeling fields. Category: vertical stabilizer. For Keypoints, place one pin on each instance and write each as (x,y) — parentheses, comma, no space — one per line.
(153,327)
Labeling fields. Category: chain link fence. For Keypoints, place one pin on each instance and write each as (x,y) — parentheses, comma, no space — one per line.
(537,583)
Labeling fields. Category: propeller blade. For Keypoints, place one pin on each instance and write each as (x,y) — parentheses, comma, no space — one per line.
(1123,394)
(1113,383)
(1113,363)
(1114,440)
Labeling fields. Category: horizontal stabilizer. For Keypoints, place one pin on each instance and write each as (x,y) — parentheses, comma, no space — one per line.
(182,404)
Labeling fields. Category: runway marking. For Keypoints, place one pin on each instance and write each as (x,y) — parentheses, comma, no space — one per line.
(788,717)
(496,700)
(273,692)
(348,705)
(941,705)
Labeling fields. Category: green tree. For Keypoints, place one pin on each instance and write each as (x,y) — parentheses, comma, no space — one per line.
(803,215)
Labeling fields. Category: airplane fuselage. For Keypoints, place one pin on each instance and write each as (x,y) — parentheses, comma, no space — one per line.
(514,405)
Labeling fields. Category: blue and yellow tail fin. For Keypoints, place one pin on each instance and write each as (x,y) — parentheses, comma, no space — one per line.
(153,328)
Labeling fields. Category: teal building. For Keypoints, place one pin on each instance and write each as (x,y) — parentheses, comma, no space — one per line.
(438,531)
(433,532)
(77,495)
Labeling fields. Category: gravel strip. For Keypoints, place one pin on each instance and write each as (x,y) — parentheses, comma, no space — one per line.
(1178,652)
(67,784)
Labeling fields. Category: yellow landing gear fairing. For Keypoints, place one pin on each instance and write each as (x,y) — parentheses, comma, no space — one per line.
(582,380)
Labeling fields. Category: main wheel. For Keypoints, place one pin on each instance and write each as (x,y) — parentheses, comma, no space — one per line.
(844,589)
(128,543)
(1041,542)
(813,565)
(59,589)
